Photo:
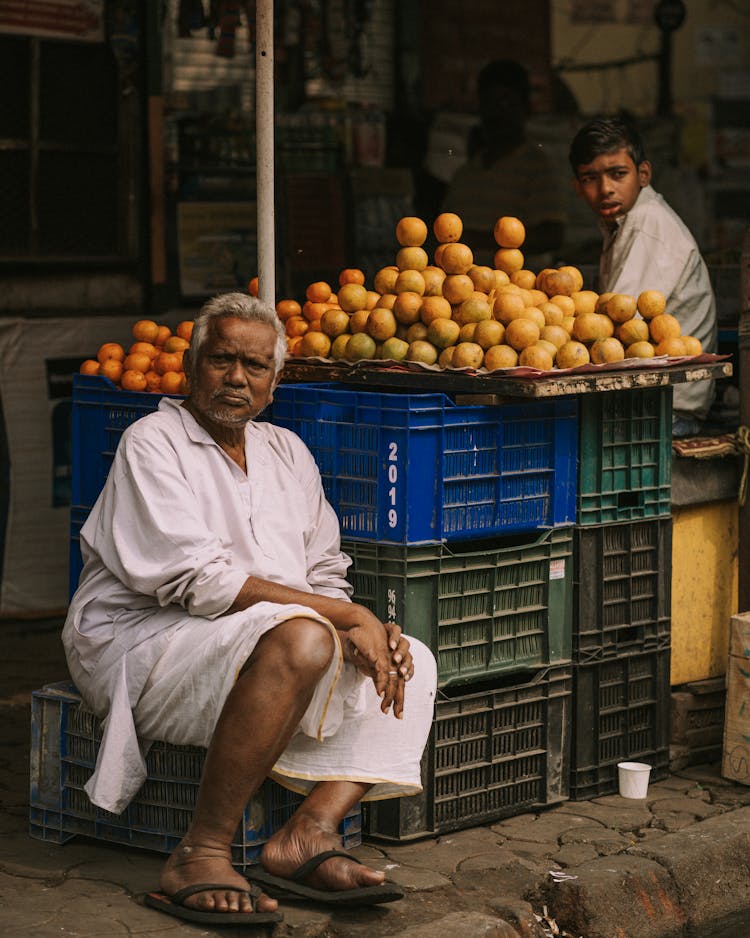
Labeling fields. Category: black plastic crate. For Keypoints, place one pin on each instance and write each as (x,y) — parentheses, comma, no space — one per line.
(625,455)
(621,714)
(500,749)
(65,739)
(622,588)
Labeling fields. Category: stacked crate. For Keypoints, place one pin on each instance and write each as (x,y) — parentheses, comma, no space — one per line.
(458,520)
(621,618)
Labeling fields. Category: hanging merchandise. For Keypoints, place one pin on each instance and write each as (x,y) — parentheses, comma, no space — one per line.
(359,18)
(230,20)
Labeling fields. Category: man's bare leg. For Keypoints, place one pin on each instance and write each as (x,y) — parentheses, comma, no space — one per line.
(258,719)
(313,829)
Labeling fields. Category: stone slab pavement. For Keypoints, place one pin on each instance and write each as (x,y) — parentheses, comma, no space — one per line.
(673,865)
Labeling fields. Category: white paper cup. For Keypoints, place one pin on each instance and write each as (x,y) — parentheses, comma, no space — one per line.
(633,777)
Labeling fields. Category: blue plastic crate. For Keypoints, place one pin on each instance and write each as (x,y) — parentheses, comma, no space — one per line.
(419,468)
(101,412)
(65,740)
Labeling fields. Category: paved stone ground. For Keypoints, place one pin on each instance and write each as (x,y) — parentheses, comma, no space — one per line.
(671,866)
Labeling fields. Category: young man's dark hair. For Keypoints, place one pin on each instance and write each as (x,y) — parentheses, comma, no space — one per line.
(604,135)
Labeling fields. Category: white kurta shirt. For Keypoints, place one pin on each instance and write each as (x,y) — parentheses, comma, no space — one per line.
(652,249)
(175,533)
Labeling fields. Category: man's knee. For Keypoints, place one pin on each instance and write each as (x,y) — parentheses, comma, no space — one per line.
(303,646)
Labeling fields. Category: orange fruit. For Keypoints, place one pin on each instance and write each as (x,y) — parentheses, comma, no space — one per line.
(482,277)
(285,309)
(509,232)
(588,327)
(318,292)
(433,280)
(584,301)
(372,299)
(314,345)
(651,303)
(487,333)
(565,303)
(457,288)
(137,361)
(664,326)
(692,345)
(526,279)
(387,300)
(145,347)
(381,324)
(409,280)
(110,350)
(163,334)
(360,346)
(445,358)
(358,320)
(145,330)
(434,307)
(351,275)
(338,346)
(467,355)
(334,322)
(521,332)
(296,325)
(456,258)
(185,329)
(89,367)
(311,310)
(176,344)
(555,334)
(575,273)
(171,382)
(153,381)
(572,354)
(500,356)
(352,296)
(167,361)
(633,330)
(553,315)
(406,307)
(507,306)
(508,259)
(621,307)
(416,331)
(475,308)
(422,351)
(443,332)
(607,350)
(447,227)
(385,279)
(557,281)
(673,346)
(536,356)
(111,368)
(640,349)
(411,231)
(293,342)
(412,258)
(252,286)
(133,381)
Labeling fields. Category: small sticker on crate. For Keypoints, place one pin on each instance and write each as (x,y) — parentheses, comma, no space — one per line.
(557,569)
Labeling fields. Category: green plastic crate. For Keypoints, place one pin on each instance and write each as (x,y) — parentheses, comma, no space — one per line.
(490,608)
(625,455)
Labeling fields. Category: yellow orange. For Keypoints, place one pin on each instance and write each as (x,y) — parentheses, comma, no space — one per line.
(434,307)
(482,277)
(521,332)
(287,308)
(351,275)
(566,303)
(318,292)
(89,367)
(412,258)
(296,326)
(535,356)
(508,260)
(433,280)
(456,258)
(381,324)
(110,350)
(422,351)
(145,330)
(352,296)
(672,345)
(133,381)
(500,356)
(509,232)
(468,355)
(443,332)
(358,320)
(651,303)
(407,305)
(640,349)
(606,350)
(385,279)
(572,354)
(334,322)
(664,326)
(448,227)
(489,332)
(409,280)
(526,279)
(411,231)
(457,288)
(313,345)
(584,301)
(176,344)
(692,345)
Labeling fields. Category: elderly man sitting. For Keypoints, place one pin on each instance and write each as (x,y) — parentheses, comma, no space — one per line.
(213,610)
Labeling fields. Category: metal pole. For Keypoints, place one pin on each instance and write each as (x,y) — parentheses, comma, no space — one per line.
(264,150)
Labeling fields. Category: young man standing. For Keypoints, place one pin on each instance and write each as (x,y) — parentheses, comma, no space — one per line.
(646,246)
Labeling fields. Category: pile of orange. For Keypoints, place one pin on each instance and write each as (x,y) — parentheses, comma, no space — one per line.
(455,314)
(152,362)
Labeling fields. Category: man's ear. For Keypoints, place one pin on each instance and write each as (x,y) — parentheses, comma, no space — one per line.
(644,173)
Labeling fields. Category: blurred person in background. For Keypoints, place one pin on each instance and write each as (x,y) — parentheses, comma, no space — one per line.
(505,173)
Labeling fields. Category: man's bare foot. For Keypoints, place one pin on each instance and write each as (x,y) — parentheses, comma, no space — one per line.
(304,837)
(202,863)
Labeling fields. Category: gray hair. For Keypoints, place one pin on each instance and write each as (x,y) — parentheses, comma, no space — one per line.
(236,306)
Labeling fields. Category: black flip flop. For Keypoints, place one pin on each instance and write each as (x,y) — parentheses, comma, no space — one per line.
(175,905)
(294,888)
